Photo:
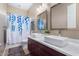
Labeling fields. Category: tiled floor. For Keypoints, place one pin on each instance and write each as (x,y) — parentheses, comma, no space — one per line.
(1,50)
(24,46)
(16,51)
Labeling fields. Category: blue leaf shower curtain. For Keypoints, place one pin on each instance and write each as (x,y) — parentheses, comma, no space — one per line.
(18,29)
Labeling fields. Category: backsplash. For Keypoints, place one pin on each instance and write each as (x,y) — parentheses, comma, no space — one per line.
(67,33)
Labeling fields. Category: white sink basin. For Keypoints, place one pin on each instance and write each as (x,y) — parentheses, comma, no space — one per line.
(56,40)
(38,35)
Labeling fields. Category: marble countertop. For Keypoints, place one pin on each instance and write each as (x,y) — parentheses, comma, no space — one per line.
(71,49)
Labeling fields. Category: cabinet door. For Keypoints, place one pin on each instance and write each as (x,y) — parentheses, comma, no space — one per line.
(34,48)
(51,52)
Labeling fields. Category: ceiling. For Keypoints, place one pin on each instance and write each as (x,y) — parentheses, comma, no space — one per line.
(24,6)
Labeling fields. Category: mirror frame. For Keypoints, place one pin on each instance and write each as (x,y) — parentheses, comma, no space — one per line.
(46,27)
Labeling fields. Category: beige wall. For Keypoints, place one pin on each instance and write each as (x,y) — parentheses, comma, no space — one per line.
(72,33)
(3,21)
(3,7)
(33,13)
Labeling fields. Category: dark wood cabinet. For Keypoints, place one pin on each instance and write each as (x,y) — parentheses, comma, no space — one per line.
(37,49)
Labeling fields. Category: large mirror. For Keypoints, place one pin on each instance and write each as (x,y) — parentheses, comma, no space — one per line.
(63,16)
(43,20)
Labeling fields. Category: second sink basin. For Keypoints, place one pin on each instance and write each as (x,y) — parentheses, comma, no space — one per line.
(56,40)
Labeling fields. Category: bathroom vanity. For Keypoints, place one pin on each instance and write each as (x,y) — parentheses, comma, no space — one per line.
(50,45)
(38,49)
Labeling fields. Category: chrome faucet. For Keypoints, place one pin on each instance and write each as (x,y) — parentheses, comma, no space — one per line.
(59,32)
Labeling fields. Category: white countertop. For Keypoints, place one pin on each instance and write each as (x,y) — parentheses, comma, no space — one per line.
(71,49)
